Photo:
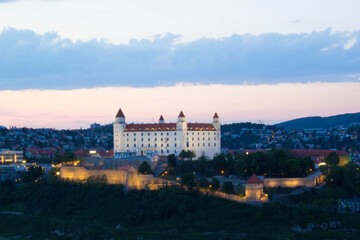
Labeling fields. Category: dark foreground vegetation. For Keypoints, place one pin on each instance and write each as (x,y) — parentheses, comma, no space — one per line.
(56,209)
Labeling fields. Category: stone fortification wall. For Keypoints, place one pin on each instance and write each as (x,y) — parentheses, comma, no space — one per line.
(310,181)
(130,179)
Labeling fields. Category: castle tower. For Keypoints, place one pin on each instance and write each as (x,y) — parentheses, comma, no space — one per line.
(254,188)
(161,119)
(119,126)
(181,124)
(120,117)
(181,129)
(216,122)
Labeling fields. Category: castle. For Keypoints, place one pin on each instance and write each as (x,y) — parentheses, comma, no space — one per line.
(167,138)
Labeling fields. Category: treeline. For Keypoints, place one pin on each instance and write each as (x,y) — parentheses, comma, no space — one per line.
(274,163)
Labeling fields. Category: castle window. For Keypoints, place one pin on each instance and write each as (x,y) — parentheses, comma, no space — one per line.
(203,139)
(124,134)
(155,134)
(198,139)
(193,133)
(149,145)
(214,138)
(214,133)
(134,145)
(187,144)
(167,145)
(209,134)
(175,144)
(203,133)
(203,144)
(187,133)
(134,134)
(142,134)
(198,133)
(193,144)
(167,139)
(134,139)
(161,139)
(209,139)
(214,144)
(155,145)
(149,139)
(127,139)
(167,151)
(142,144)
(155,139)
(142,139)
(162,151)
(198,144)
(209,144)
(175,151)
(193,139)
(127,134)
(161,134)
(167,134)
(161,145)
(175,134)
(127,145)
(148,134)
(175,139)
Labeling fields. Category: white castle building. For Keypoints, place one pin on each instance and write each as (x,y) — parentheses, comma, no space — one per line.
(167,138)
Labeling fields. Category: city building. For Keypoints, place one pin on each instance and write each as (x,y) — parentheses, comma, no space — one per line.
(8,157)
(167,138)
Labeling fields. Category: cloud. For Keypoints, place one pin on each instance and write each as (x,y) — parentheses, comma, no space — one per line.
(350,43)
(48,61)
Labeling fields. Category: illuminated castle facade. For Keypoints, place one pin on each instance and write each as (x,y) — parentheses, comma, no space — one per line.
(167,138)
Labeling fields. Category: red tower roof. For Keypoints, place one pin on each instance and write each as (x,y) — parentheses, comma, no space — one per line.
(120,113)
(181,114)
(216,116)
(161,118)
(254,180)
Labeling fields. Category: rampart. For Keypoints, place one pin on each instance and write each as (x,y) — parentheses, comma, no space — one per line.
(310,181)
(130,179)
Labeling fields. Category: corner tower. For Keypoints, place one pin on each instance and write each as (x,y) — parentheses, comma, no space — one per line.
(216,122)
(119,126)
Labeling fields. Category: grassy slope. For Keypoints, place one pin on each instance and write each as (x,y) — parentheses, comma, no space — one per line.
(94,212)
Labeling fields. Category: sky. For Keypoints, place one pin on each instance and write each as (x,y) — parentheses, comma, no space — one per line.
(68,63)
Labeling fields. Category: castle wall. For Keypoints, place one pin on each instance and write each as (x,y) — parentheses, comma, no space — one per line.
(310,181)
(130,179)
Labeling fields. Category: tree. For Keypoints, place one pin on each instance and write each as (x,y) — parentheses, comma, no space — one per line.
(204,183)
(187,154)
(228,188)
(144,168)
(171,161)
(332,159)
(188,180)
(215,184)
(220,163)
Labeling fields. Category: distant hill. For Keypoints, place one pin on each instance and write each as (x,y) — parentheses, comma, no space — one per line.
(321,122)
(2,127)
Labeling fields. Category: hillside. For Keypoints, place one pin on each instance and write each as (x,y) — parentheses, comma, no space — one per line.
(321,122)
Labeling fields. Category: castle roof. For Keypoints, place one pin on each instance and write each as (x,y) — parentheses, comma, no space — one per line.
(254,180)
(120,113)
(161,118)
(148,127)
(181,114)
(216,115)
